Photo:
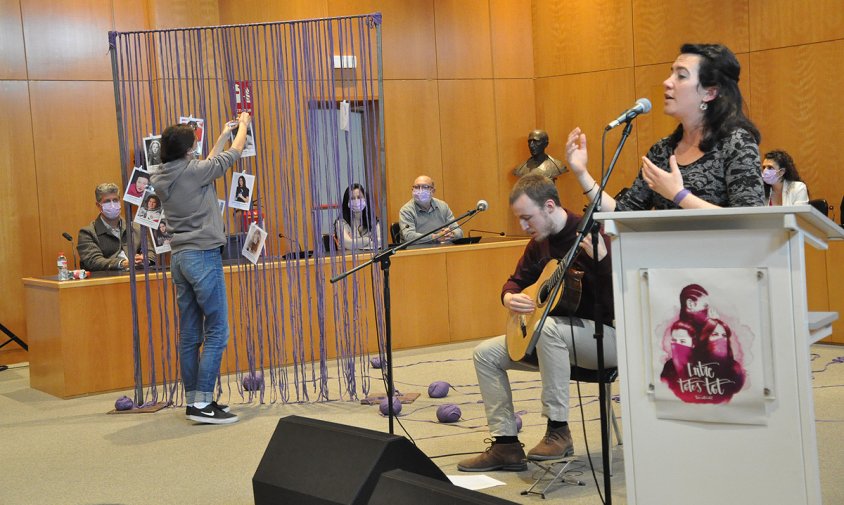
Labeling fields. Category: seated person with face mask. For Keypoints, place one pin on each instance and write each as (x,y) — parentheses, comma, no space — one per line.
(353,229)
(424,213)
(103,245)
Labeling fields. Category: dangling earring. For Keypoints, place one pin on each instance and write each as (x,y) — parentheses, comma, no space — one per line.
(704,105)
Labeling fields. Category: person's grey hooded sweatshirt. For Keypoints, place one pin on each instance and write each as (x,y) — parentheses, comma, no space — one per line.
(189,198)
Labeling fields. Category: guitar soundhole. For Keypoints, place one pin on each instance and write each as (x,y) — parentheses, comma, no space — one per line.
(542,295)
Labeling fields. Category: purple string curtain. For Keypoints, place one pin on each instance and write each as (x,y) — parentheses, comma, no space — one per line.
(286,318)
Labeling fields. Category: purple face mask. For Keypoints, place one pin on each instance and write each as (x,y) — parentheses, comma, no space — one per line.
(111,210)
(357,205)
(422,196)
(770,176)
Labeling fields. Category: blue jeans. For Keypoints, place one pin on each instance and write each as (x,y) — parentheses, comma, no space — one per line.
(203,320)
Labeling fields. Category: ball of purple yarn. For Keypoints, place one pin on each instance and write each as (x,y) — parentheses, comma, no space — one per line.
(384,407)
(438,389)
(448,413)
(124,403)
(518,423)
(376,362)
(253,381)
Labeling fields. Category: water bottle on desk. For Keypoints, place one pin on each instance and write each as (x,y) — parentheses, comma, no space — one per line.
(64,274)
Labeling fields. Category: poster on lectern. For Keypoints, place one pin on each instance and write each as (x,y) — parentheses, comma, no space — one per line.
(708,359)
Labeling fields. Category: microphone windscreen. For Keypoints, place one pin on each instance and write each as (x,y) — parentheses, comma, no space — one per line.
(67,236)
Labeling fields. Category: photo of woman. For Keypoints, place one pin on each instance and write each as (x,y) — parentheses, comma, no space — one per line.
(161,237)
(241,191)
(240,194)
(150,212)
(152,150)
(254,244)
(138,183)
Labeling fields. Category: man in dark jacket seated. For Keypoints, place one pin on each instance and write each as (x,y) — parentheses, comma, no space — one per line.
(103,244)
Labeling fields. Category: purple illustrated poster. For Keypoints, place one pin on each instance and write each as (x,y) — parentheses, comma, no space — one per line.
(707,340)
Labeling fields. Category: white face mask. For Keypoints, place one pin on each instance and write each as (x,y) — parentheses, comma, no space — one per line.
(111,210)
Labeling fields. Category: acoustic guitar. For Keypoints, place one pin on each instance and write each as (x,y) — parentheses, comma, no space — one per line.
(520,335)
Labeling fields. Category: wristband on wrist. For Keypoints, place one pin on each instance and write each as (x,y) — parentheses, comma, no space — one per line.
(594,183)
(683,193)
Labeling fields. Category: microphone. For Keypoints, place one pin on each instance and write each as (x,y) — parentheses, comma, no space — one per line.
(643,106)
(300,254)
(69,238)
(500,233)
(481,206)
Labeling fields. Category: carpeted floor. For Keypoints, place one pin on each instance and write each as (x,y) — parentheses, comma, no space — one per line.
(70,452)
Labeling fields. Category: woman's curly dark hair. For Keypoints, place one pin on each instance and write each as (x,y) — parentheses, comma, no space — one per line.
(719,68)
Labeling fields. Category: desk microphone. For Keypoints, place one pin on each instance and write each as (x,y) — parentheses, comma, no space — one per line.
(294,242)
(69,238)
(500,233)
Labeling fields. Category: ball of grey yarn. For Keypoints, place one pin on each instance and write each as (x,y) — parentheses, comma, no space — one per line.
(448,413)
(376,362)
(438,389)
(384,406)
(253,381)
(124,403)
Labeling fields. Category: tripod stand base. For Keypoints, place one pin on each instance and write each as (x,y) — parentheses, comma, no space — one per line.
(559,474)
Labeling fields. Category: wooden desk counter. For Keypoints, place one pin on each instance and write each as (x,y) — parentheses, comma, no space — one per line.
(80,332)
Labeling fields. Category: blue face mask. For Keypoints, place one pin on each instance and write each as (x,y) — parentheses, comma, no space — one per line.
(111,210)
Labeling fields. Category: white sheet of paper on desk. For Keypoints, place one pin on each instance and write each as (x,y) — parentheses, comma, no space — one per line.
(474,482)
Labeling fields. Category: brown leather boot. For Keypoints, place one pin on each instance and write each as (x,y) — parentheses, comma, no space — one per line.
(509,457)
(556,444)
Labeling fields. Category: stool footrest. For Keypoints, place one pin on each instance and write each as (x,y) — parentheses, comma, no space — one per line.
(559,474)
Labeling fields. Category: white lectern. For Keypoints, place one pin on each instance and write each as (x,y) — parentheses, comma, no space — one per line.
(697,462)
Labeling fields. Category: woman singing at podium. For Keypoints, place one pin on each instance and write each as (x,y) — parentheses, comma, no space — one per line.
(710,160)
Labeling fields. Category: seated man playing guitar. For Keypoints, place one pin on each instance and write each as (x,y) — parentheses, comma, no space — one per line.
(564,341)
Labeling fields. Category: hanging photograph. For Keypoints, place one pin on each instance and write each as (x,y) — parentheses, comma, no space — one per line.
(253,246)
(706,344)
(150,212)
(161,237)
(249,147)
(152,150)
(198,126)
(138,182)
(240,194)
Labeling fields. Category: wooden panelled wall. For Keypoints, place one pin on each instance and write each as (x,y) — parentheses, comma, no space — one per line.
(464,82)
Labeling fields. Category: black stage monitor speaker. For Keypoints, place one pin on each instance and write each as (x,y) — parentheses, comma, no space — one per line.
(398,486)
(311,462)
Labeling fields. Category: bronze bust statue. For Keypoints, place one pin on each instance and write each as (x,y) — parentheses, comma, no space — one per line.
(540,162)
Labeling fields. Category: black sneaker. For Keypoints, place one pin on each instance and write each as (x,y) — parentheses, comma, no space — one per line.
(224,408)
(211,415)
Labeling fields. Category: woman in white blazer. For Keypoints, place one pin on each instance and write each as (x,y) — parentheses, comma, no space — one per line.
(782,182)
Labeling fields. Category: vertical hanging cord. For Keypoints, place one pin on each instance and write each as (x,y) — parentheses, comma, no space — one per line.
(290,68)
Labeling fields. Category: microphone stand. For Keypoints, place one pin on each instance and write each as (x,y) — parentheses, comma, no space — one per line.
(589,226)
(383,258)
(499,233)
(69,238)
